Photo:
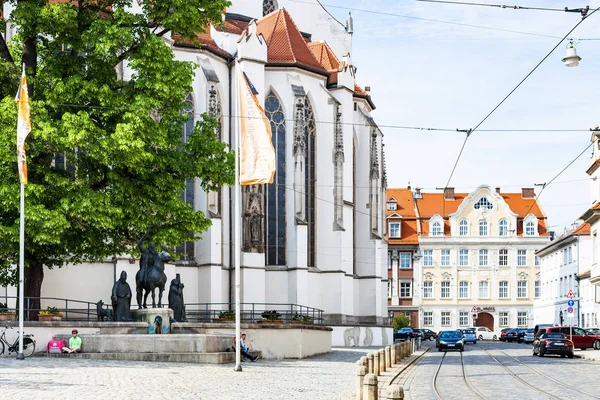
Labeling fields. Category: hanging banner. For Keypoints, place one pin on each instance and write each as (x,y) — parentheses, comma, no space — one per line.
(23,127)
(257,153)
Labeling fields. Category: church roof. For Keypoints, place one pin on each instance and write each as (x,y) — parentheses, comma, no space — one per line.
(203,40)
(285,43)
(327,58)
(231,25)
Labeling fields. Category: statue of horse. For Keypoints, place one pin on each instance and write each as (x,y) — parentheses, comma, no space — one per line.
(155,278)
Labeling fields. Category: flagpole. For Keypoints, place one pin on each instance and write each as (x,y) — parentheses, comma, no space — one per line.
(20,355)
(237,232)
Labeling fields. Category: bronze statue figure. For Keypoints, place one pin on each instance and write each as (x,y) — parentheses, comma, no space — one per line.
(155,278)
(121,299)
(176,299)
(147,259)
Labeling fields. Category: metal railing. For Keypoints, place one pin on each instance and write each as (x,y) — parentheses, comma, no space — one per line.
(78,310)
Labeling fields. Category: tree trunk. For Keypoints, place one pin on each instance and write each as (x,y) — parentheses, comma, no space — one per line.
(29,58)
(34,276)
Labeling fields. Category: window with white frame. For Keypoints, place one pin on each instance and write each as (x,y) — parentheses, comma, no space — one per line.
(530,228)
(483,257)
(484,204)
(565,258)
(503,318)
(503,257)
(570,251)
(405,289)
(503,289)
(463,318)
(428,318)
(445,318)
(536,289)
(405,260)
(483,228)
(445,290)
(484,289)
(521,258)
(503,228)
(445,258)
(428,258)
(463,257)
(389,289)
(391,206)
(463,228)
(522,289)
(394,229)
(389,260)
(522,318)
(436,229)
(427,289)
(463,289)
(537,261)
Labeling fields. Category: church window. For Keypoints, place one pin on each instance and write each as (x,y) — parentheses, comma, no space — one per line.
(269,6)
(310,182)
(483,203)
(186,250)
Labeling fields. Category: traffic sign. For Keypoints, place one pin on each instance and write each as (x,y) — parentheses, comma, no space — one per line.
(571,303)
(570,295)
(474,315)
(474,309)
(570,310)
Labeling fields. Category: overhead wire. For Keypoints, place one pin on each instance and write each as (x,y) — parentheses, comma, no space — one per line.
(514,7)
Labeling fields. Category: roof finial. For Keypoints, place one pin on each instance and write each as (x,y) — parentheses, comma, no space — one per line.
(350,23)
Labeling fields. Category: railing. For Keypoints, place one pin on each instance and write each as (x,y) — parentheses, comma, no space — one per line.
(77,310)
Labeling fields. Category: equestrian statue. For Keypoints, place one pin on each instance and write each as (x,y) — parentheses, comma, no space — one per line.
(151,274)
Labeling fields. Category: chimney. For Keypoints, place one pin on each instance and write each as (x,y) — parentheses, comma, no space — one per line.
(528,193)
(367,89)
(449,193)
(408,187)
(498,190)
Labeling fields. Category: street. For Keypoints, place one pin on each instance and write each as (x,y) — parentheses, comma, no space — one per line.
(497,370)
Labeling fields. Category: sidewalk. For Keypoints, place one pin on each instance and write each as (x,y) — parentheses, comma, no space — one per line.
(589,354)
(394,374)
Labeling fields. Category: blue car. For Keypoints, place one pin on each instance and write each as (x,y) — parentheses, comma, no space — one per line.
(469,335)
(449,340)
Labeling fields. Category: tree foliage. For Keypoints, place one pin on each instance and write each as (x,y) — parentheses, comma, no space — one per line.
(400,321)
(124,168)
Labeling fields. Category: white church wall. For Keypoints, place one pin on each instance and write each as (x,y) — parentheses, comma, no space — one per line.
(277,290)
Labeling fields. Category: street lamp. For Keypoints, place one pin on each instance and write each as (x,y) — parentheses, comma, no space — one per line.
(571,59)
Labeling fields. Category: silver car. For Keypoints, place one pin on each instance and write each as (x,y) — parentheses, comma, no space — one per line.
(469,335)
(529,336)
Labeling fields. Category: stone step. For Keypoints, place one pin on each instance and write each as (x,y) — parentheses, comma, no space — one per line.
(195,358)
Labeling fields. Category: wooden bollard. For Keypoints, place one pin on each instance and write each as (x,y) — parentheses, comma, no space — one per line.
(382,362)
(393,354)
(370,362)
(388,357)
(361,371)
(376,363)
(395,392)
(370,389)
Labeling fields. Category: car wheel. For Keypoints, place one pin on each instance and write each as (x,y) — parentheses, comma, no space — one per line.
(597,345)
(570,355)
(462,349)
(495,337)
(440,349)
(562,356)
(430,338)
(480,337)
(541,354)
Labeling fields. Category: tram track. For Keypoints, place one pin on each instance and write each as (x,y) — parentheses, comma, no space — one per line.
(464,376)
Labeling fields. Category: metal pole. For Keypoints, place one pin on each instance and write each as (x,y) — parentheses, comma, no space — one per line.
(237,236)
(20,355)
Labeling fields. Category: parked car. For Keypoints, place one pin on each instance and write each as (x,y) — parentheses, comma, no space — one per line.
(581,339)
(529,336)
(538,326)
(403,334)
(552,343)
(503,334)
(428,334)
(469,335)
(512,335)
(450,340)
(521,335)
(484,333)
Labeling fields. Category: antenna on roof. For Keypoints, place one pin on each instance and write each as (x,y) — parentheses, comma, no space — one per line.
(350,24)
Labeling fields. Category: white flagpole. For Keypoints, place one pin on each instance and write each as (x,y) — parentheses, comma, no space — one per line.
(20,355)
(237,232)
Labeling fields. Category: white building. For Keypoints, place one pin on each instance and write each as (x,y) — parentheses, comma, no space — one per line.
(316,236)
(561,263)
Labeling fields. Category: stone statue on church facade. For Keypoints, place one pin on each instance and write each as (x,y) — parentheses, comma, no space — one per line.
(253,229)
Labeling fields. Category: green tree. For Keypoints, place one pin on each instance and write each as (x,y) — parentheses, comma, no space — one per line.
(400,321)
(124,163)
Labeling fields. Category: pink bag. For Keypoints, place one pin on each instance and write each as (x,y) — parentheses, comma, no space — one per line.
(55,346)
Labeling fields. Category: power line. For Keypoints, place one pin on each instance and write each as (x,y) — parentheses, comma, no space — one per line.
(515,7)
(470,131)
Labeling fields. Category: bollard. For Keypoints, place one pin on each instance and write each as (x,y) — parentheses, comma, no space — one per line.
(370,361)
(405,352)
(364,362)
(395,392)
(370,390)
(412,346)
(388,357)
(398,352)
(382,363)
(393,358)
(376,363)
(361,371)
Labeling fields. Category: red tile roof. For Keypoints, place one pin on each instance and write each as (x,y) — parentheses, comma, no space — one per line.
(232,26)
(584,229)
(203,40)
(285,44)
(405,207)
(327,58)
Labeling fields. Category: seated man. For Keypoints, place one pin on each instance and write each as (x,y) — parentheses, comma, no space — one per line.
(243,349)
(74,343)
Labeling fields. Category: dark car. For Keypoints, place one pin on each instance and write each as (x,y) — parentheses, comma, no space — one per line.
(581,339)
(552,343)
(512,335)
(503,334)
(420,333)
(469,335)
(428,334)
(448,340)
(521,335)
(403,334)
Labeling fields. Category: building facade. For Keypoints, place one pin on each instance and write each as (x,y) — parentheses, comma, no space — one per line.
(477,250)
(563,264)
(316,235)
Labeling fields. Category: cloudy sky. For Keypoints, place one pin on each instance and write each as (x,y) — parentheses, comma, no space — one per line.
(431,74)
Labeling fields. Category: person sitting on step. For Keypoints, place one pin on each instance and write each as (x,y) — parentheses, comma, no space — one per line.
(74,343)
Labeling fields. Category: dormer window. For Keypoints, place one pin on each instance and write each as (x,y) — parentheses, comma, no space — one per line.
(394,230)
(391,205)
(436,229)
(483,204)
(530,225)
(436,226)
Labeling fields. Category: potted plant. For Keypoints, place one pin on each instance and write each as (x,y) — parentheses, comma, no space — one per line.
(225,316)
(301,319)
(50,314)
(270,317)
(6,314)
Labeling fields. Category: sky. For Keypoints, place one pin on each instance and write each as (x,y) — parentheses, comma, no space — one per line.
(437,75)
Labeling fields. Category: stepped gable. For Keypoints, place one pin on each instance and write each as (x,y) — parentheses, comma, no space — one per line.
(204,41)
(327,58)
(285,43)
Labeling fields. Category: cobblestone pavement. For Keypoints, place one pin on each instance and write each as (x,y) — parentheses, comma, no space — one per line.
(329,376)
(550,377)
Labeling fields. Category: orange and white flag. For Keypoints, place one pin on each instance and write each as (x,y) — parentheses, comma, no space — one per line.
(23,127)
(257,152)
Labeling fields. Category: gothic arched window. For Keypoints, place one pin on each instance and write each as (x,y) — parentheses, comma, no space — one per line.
(310,182)
(275,221)
(269,6)
(187,248)
(214,109)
